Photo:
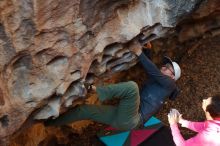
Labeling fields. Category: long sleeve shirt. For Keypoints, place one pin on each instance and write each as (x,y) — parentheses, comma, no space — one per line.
(155,89)
(208,133)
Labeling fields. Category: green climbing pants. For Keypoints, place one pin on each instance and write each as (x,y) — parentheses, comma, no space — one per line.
(123,116)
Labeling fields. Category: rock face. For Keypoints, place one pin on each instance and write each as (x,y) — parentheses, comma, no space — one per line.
(50,49)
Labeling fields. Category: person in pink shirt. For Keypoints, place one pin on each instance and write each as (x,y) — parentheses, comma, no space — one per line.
(208,132)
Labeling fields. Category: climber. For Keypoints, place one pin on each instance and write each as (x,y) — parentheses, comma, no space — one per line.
(208,131)
(134,108)
(161,83)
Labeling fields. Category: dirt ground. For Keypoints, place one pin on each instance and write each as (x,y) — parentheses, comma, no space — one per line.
(200,79)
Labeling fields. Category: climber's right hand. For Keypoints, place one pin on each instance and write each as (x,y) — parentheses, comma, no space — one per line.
(135,47)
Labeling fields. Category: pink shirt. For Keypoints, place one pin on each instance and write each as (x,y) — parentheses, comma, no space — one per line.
(208,133)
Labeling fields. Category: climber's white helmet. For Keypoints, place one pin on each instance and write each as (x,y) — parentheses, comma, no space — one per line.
(176,67)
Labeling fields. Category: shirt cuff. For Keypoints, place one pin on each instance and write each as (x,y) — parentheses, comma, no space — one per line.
(184,123)
(174,126)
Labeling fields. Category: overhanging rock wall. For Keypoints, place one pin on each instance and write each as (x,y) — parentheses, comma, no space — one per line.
(50,49)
